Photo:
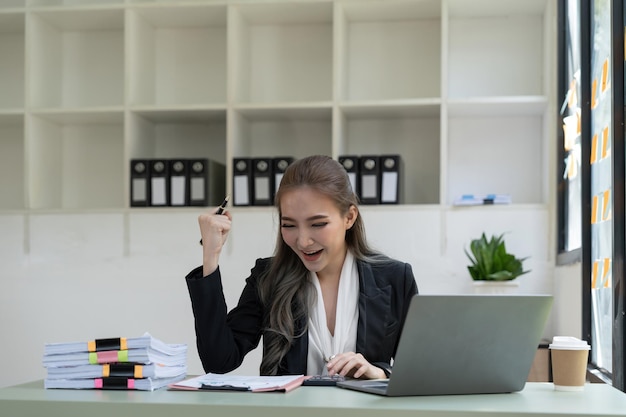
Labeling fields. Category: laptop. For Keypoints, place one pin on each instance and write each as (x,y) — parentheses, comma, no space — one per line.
(464,344)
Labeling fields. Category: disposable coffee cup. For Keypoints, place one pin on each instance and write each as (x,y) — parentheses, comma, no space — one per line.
(569,363)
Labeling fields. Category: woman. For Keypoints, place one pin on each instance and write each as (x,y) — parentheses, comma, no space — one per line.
(324,303)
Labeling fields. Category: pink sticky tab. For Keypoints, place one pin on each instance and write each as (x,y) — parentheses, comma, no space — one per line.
(97,383)
(107,356)
(131,384)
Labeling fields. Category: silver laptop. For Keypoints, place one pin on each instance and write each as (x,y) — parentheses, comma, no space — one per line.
(464,344)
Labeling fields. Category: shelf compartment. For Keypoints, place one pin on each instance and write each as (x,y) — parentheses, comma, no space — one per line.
(393,108)
(496,51)
(76,58)
(498,106)
(389,50)
(412,132)
(74,3)
(282,52)
(12,50)
(76,160)
(11,162)
(12,4)
(178,134)
(173,2)
(297,132)
(507,157)
(177,55)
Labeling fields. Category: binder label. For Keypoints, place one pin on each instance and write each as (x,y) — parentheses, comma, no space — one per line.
(158,191)
(197,188)
(389,187)
(178,190)
(368,186)
(241,190)
(352,177)
(262,188)
(139,189)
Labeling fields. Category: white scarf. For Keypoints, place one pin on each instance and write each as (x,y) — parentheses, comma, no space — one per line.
(322,344)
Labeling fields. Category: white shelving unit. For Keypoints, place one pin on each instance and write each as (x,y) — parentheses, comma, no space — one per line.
(498,96)
(459,88)
(462,89)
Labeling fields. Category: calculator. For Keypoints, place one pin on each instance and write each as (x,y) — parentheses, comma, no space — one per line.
(323,380)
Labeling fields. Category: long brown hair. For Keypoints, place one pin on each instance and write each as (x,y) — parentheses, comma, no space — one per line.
(285,289)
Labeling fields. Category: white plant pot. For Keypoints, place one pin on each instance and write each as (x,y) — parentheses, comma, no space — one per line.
(495,287)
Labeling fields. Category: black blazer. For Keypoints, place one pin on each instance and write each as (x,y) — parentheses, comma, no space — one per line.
(223,339)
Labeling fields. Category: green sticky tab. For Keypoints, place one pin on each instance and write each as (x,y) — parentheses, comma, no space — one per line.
(93,358)
(122,356)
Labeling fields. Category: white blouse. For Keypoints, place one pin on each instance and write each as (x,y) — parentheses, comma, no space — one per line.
(323,345)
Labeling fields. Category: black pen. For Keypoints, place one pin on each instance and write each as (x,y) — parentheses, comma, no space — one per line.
(222,206)
(220,209)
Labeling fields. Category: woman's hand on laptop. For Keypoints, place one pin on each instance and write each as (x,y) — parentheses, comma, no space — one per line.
(354,365)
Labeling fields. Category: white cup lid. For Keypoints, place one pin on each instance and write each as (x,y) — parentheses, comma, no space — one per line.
(568,343)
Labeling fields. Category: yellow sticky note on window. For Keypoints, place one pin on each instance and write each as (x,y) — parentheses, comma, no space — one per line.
(594,149)
(594,275)
(594,89)
(605,142)
(594,210)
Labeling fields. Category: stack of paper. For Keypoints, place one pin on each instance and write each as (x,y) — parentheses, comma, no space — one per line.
(219,382)
(142,363)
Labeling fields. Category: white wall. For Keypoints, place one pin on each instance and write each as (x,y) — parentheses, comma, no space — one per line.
(568,311)
(77,277)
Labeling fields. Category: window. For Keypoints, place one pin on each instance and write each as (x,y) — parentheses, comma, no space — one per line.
(592,174)
(569,135)
(601,161)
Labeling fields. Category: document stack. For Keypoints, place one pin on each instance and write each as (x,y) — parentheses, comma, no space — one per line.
(142,363)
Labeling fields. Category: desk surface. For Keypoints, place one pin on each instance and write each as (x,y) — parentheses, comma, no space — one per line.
(537,399)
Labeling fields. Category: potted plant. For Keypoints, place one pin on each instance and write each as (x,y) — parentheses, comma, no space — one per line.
(492,268)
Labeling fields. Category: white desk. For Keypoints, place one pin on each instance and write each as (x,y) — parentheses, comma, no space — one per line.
(537,399)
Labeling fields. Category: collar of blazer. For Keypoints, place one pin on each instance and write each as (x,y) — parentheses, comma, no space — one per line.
(374,309)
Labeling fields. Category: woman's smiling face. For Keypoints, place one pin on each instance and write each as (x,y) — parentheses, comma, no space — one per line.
(314,228)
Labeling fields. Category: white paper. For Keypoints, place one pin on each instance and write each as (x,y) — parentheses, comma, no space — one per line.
(177,190)
(197,189)
(241,197)
(139,189)
(262,188)
(389,192)
(352,177)
(158,191)
(277,179)
(239,381)
(368,186)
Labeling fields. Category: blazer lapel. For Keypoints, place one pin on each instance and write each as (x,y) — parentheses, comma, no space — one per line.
(374,304)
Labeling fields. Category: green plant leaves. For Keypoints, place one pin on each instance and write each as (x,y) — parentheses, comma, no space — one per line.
(491,262)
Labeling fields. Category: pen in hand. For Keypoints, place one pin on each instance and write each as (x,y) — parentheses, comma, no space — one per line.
(220,209)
